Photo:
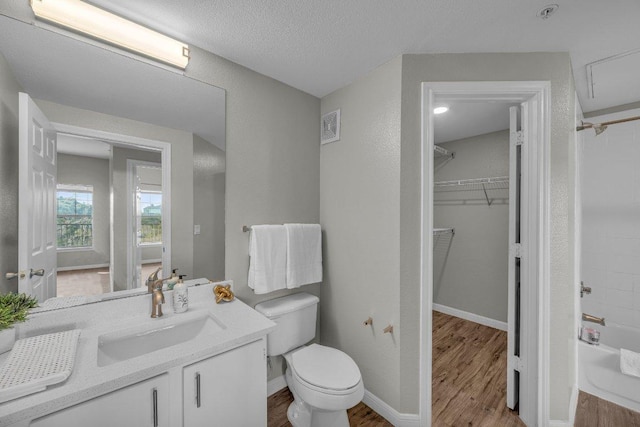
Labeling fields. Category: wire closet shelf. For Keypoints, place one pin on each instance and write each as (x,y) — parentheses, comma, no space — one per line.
(484,184)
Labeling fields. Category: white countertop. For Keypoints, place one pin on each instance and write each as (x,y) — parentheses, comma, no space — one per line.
(241,323)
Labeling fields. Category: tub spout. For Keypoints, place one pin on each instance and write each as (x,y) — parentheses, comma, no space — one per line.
(589,318)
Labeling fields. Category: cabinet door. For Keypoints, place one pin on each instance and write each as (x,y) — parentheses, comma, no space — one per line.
(227,390)
(143,404)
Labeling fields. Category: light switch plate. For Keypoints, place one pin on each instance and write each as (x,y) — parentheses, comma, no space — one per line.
(196,229)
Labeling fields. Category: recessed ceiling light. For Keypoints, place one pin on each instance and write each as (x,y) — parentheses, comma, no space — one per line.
(440,110)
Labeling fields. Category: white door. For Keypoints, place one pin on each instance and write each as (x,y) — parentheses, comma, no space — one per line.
(37,202)
(515,257)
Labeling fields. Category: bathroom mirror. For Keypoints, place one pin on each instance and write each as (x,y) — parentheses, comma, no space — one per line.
(93,94)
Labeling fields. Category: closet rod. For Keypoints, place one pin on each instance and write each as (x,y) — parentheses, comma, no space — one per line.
(601,127)
(440,231)
(461,182)
(444,151)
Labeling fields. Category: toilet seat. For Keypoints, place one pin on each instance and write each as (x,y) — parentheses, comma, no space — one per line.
(325,369)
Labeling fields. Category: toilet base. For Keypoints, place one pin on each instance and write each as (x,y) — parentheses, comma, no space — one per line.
(301,415)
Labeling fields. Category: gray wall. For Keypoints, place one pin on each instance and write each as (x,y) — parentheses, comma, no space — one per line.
(9,89)
(470,269)
(95,172)
(553,67)
(208,209)
(360,215)
(120,156)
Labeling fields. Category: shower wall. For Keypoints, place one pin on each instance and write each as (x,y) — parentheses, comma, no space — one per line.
(610,180)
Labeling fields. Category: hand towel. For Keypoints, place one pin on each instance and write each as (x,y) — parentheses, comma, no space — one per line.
(304,254)
(268,258)
(630,362)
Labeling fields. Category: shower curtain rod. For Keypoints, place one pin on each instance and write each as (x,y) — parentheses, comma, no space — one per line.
(601,127)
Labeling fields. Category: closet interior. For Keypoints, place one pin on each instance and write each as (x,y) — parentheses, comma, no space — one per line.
(470,265)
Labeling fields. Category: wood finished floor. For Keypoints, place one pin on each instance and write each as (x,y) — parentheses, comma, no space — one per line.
(469,374)
(360,415)
(94,281)
(595,412)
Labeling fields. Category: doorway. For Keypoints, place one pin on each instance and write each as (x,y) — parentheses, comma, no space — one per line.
(474,275)
(532,364)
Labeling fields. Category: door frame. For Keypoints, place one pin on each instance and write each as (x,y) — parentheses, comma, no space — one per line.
(537,247)
(133,142)
(132,224)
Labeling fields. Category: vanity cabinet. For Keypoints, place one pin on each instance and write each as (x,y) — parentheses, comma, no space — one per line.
(229,389)
(143,404)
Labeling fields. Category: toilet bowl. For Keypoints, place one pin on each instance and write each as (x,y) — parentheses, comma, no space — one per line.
(324,381)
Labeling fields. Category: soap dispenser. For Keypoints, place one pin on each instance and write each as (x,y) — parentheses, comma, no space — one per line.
(180,296)
(171,281)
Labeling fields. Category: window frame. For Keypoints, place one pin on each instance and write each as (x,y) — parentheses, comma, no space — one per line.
(77,188)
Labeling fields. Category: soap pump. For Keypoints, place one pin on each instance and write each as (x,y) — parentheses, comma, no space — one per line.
(180,296)
(171,281)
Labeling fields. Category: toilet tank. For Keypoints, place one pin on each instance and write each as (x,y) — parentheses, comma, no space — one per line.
(295,316)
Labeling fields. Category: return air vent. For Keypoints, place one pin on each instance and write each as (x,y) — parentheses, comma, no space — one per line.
(614,80)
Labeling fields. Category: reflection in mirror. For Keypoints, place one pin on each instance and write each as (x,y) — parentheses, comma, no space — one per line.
(116,219)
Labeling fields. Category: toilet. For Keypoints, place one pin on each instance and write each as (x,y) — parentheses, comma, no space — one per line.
(325,382)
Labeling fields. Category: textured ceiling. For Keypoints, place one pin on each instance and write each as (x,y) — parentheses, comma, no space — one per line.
(320,46)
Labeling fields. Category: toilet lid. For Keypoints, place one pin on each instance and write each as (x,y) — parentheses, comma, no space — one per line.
(326,367)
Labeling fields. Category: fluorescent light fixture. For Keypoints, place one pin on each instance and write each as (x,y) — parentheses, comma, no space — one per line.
(440,110)
(103,25)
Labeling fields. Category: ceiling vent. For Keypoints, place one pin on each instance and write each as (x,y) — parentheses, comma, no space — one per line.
(614,80)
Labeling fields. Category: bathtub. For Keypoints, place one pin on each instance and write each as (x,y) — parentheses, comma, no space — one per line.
(599,367)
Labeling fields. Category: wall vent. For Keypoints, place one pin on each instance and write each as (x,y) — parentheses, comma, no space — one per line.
(330,131)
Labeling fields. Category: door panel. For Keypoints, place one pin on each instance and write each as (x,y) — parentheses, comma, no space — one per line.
(37,204)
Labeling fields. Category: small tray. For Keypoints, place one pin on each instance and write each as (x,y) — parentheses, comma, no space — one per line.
(37,362)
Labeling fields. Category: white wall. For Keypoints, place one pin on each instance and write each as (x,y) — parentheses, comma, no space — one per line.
(611,220)
(470,268)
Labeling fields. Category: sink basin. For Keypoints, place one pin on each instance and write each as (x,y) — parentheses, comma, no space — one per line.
(134,342)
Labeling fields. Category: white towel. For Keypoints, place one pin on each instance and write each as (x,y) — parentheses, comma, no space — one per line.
(268,258)
(630,362)
(304,254)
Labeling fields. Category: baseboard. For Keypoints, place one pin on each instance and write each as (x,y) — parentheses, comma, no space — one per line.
(82,267)
(573,404)
(370,399)
(394,417)
(275,385)
(492,323)
(151,261)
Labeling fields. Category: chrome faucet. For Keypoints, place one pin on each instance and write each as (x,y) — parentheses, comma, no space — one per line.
(153,277)
(594,319)
(157,299)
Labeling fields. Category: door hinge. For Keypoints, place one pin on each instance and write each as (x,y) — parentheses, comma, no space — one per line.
(517,137)
(516,250)
(517,363)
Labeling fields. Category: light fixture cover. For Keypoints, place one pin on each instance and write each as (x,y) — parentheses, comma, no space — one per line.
(85,18)
(330,130)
